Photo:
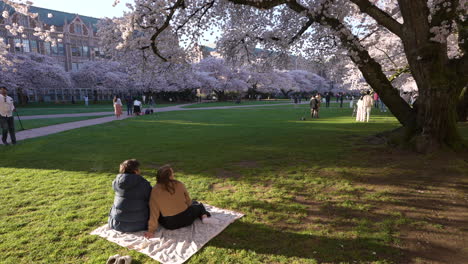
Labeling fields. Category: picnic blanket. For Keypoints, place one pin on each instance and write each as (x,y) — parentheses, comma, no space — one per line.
(173,246)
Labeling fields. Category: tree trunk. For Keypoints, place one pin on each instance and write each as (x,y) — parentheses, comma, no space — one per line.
(221,95)
(22,98)
(436,124)
(462,108)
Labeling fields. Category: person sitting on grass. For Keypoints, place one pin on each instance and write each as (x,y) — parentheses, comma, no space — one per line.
(171,206)
(130,211)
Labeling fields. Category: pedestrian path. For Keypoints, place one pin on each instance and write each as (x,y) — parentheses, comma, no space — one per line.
(48,130)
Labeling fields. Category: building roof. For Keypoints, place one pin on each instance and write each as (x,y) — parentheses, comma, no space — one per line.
(58,17)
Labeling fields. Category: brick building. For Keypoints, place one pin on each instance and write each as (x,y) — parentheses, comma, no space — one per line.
(77,34)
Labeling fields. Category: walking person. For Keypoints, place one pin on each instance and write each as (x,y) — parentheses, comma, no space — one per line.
(7,121)
(314,104)
(327,100)
(137,107)
(376,100)
(360,110)
(117,106)
(86,100)
(341,100)
(368,102)
(129,103)
(170,204)
(351,102)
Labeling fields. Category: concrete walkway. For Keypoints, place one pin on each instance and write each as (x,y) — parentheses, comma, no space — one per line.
(48,130)
(159,110)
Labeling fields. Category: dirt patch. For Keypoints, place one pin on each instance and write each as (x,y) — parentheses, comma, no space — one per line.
(222,187)
(432,191)
(225,174)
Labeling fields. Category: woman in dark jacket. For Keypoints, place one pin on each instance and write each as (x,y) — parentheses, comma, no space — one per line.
(130,212)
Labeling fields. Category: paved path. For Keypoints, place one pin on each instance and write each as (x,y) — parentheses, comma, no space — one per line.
(43,131)
(159,110)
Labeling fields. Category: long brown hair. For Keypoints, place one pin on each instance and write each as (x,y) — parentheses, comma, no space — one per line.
(163,177)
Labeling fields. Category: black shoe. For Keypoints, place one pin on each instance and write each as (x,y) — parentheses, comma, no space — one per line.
(5,143)
(14,143)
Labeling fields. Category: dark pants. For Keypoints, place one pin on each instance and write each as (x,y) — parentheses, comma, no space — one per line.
(327,103)
(137,109)
(186,218)
(8,125)
(129,109)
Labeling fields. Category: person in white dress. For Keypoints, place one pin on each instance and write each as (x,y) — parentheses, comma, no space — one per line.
(360,110)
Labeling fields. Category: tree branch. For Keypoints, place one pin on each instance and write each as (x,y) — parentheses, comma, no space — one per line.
(265,4)
(380,16)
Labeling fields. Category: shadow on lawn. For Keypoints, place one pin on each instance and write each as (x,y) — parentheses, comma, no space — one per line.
(265,240)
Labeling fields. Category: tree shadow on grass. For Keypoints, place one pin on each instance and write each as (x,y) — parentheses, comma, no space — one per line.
(265,240)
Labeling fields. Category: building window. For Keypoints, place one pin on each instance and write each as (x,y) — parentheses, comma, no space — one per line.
(20,20)
(26,47)
(17,42)
(34,46)
(76,51)
(96,52)
(61,49)
(85,51)
(47,50)
(85,30)
(78,29)
(54,49)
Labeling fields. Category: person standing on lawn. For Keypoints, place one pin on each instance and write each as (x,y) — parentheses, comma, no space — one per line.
(7,121)
(117,106)
(368,102)
(314,105)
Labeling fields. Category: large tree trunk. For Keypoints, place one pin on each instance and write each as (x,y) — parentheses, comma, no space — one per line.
(462,107)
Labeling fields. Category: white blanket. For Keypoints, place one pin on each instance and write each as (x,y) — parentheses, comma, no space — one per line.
(173,246)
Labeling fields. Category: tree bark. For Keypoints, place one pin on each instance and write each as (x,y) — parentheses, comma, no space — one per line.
(462,108)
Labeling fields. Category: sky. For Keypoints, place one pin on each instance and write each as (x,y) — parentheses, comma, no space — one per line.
(92,8)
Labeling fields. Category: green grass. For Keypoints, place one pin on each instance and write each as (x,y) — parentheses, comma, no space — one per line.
(35,123)
(232,103)
(295,181)
(53,109)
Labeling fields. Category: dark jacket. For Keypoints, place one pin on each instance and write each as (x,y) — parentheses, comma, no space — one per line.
(314,103)
(130,211)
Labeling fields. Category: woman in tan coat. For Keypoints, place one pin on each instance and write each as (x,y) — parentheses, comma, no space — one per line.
(171,206)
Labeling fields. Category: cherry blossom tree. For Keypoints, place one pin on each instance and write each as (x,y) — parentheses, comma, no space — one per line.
(33,71)
(216,76)
(102,74)
(423,28)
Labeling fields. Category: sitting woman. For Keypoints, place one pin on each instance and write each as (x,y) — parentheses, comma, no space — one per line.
(171,206)
(130,212)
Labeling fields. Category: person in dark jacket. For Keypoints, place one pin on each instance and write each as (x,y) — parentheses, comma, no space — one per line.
(130,211)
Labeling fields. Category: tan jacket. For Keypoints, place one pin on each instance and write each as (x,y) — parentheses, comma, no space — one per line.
(162,202)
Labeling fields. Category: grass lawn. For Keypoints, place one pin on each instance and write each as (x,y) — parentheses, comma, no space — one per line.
(232,103)
(315,191)
(35,123)
(53,109)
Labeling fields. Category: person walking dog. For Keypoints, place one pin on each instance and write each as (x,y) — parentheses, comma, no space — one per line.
(7,121)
